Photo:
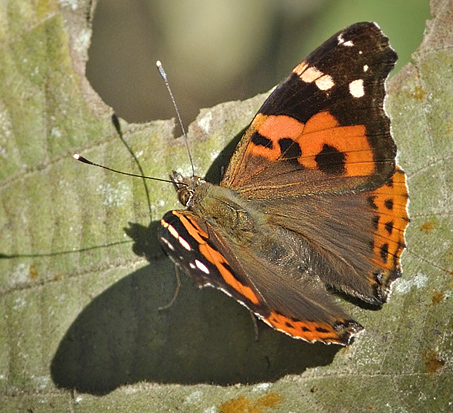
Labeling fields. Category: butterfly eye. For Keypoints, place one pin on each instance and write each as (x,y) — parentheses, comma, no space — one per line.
(184,196)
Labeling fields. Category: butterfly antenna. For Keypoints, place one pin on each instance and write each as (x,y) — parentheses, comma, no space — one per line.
(163,74)
(80,158)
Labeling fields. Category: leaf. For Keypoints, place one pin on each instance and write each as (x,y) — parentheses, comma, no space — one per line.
(81,310)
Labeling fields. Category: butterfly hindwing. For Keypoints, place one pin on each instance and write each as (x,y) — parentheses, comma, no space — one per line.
(361,236)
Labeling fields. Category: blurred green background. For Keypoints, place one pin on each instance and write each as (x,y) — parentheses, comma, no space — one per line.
(216,51)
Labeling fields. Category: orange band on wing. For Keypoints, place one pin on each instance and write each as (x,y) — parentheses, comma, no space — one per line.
(320,132)
(274,128)
(192,227)
(311,330)
(349,140)
(320,122)
(277,127)
(216,258)
(390,201)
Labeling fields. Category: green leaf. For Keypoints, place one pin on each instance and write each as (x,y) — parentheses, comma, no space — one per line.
(80,308)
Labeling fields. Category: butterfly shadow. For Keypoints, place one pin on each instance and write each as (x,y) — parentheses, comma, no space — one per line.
(122,336)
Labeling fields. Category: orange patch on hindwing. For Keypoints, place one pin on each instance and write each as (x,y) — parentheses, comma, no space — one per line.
(391,219)
(320,144)
(308,330)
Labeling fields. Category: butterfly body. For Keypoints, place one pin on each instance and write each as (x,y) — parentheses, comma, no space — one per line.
(311,201)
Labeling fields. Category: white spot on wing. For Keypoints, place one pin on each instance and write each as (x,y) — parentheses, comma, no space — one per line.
(310,74)
(172,231)
(325,82)
(185,244)
(341,41)
(201,267)
(365,68)
(167,243)
(356,88)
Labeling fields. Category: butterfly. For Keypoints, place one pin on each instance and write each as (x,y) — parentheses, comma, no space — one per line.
(312,200)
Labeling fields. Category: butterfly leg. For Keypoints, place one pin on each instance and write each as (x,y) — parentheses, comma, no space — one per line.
(255,326)
(176,292)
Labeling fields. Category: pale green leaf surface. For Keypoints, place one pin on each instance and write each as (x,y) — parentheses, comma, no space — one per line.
(81,331)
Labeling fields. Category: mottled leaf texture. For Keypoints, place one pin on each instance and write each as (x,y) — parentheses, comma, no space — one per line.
(80,315)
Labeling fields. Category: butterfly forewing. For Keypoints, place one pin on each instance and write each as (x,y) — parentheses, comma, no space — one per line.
(287,298)
(324,125)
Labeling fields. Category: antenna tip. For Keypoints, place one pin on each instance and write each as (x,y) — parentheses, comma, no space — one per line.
(161,70)
(80,158)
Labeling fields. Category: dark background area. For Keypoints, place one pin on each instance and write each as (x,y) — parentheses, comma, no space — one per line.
(224,50)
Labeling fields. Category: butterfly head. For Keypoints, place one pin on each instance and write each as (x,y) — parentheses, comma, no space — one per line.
(185,186)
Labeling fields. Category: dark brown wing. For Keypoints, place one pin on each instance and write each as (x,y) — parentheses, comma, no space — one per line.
(360,236)
(284,296)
